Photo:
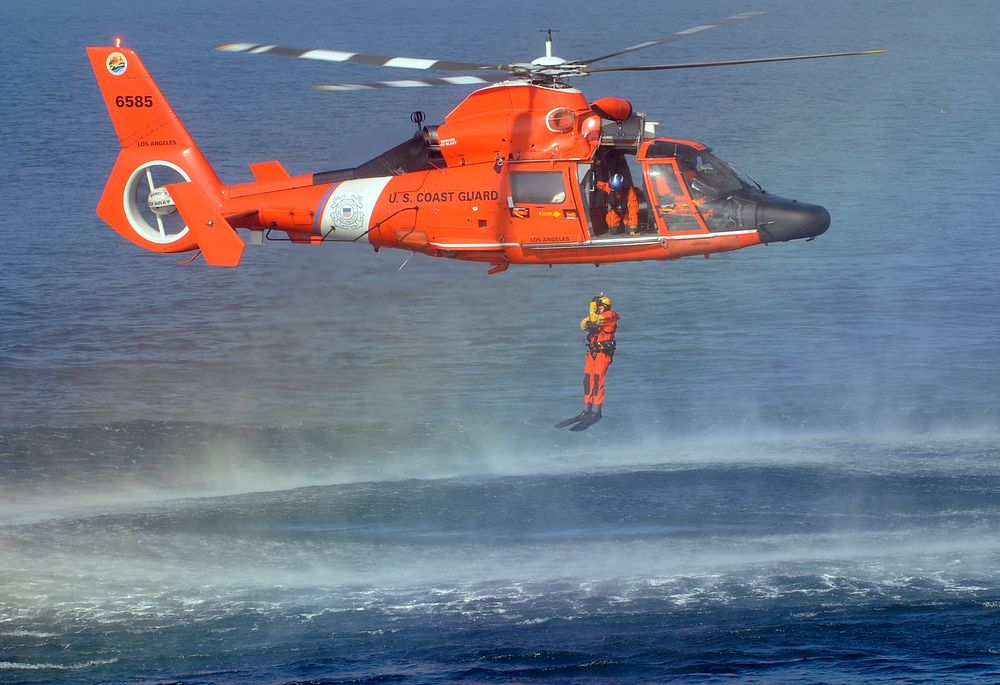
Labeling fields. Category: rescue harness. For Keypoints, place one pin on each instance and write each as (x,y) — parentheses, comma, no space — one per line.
(619,205)
(605,346)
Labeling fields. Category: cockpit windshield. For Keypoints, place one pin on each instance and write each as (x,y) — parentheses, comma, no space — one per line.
(744,178)
(692,188)
(709,177)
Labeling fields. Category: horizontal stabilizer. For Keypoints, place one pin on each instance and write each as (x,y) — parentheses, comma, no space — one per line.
(215,237)
(269,171)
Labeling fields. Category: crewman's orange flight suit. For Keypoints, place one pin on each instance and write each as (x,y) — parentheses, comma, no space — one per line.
(600,350)
(623,207)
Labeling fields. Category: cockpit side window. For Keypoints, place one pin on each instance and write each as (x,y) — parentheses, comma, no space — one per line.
(671,202)
(694,190)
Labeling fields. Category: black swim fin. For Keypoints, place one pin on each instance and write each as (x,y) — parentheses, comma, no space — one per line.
(586,422)
(576,419)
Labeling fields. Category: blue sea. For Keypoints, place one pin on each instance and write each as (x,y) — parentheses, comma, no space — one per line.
(321,467)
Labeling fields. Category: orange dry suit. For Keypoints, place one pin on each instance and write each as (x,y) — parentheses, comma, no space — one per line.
(600,351)
(623,207)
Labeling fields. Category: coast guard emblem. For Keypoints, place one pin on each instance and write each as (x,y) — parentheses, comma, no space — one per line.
(346,212)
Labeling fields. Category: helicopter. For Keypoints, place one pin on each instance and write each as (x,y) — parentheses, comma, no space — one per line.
(517,173)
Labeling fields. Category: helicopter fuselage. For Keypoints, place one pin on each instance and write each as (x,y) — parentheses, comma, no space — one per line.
(516,174)
(512,177)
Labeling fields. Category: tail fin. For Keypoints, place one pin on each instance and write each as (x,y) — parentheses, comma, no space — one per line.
(156,152)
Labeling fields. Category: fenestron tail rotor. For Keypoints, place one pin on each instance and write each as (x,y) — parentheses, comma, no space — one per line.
(148,206)
(546,70)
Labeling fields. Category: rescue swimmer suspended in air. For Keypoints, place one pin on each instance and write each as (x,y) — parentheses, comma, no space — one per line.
(601,323)
(520,172)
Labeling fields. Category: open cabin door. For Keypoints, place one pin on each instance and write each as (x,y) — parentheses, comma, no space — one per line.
(598,202)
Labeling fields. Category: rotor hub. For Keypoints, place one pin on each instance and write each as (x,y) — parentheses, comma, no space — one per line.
(160,202)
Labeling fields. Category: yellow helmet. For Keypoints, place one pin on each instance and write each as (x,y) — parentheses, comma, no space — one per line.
(603,300)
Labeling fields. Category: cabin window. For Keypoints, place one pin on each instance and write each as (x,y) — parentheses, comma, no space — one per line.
(537,187)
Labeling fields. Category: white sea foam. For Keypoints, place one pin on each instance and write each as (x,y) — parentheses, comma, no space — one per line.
(24,666)
(27,633)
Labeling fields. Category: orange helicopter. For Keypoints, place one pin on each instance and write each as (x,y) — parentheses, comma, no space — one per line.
(517,173)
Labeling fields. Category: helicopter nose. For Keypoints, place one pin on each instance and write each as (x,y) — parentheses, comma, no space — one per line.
(780,220)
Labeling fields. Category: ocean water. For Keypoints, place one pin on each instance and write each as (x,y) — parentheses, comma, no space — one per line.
(322,468)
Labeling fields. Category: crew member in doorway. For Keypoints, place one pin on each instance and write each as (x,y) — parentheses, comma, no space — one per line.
(600,324)
(623,204)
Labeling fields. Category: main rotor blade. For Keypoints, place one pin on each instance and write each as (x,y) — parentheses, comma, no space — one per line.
(697,65)
(676,36)
(357,57)
(446,81)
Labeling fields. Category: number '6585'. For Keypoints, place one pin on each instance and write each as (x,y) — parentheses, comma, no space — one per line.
(134,101)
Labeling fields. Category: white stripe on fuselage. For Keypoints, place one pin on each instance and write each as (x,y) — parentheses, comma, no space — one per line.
(347,213)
